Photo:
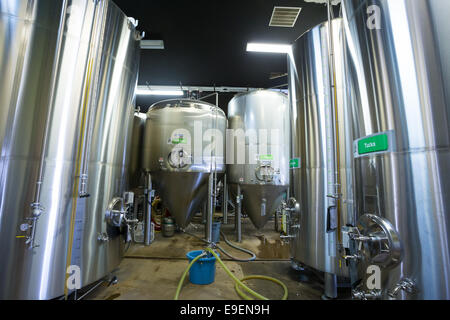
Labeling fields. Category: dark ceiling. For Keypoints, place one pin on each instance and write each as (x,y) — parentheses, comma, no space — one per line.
(205,41)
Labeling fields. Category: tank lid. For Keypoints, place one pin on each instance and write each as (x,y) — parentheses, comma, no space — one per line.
(185,103)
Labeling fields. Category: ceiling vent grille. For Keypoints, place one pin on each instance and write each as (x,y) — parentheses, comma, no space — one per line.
(284,16)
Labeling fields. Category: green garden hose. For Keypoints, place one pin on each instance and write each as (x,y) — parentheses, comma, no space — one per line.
(238,282)
(180,284)
(244,296)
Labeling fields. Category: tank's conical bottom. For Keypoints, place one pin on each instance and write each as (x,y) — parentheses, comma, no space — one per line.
(260,201)
(182,193)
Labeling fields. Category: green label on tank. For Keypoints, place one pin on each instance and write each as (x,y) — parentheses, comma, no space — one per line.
(178,141)
(372,144)
(266,157)
(294,163)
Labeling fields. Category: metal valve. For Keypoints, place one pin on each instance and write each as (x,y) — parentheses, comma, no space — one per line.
(406,285)
(103,237)
(30,228)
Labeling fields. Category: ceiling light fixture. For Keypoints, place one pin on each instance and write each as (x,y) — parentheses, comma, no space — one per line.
(152,44)
(268,47)
(150,92)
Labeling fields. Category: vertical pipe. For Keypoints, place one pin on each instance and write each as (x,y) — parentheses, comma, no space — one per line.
(277,217)
(209,217)
(62,22)
(335,122)
(90,99)
(225,200)
(205,211)
(237,218)
(333,94)
(330,286)
(148,210)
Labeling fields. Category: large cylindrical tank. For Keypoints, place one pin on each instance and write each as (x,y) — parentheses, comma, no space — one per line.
(314,181)
(70,67)
(259,160)
(184,142)
(399,57)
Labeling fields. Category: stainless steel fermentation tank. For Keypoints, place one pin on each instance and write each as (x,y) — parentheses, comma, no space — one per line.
(67,79)
(178,135)
(260,120)
(315,153)
(399,63)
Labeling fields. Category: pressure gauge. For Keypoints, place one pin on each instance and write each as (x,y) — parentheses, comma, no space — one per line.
(179,158)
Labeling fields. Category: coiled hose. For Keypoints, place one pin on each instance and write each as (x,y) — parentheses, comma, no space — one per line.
(252,258)
(239,283)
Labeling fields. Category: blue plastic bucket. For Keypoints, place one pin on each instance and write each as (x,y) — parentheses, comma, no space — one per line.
(203,271)
(216,232)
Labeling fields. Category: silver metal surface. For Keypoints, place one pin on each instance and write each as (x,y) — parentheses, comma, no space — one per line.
(29,104)
(175,152)
(259,111)
(314,184)
(137,139)
(400,85)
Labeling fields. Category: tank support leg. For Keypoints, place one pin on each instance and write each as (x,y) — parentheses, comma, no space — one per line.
(148,210)
(225,200)
(237,215)
(330,291)
(210,214)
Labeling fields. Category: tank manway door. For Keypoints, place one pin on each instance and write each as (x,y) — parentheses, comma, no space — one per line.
(179,158)
(376,242)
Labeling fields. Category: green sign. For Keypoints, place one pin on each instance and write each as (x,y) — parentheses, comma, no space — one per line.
(179,140)
(294,163)
(372,144)
(266,157)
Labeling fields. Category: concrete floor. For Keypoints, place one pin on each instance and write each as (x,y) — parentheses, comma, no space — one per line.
(153,272)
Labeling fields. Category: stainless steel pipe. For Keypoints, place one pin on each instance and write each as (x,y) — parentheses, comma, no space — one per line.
(148,210)
(210,212)
(237,215)
(225,200)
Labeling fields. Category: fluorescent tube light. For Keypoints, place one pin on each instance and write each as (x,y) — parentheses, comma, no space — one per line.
(268,47)
(150,92)
(152,44)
